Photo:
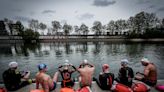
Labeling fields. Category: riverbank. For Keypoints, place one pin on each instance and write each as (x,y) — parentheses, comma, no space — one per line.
(18,39)
(94,87)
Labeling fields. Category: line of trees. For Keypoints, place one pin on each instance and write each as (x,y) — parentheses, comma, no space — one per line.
(142,25)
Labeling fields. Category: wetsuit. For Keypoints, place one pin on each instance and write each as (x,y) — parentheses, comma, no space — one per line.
(105,81)
(66,76)
(12,80)
(125,76)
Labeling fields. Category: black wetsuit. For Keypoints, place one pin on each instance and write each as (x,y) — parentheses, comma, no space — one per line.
(67,82)
(105,81)
(12,80)
(125,76)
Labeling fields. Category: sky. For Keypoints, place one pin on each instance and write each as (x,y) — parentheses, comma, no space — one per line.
(76,12)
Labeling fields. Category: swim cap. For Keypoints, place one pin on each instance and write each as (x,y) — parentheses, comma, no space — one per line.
(85,61)
(105,66)
(42,66)
(66,62)
(13,64)
(124,61)
(145,60)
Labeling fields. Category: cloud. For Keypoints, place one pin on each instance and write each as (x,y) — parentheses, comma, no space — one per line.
(76,11)
(161,9)
(16,10)
(63,21)
(103,3)
(85,16)
(21,18)
(143,1)
(32,13)
(152,6)
(48,11)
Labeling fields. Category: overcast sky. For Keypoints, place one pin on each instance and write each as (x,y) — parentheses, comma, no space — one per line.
(75,12)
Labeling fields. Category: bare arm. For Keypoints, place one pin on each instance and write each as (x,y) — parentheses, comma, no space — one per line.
(146,72)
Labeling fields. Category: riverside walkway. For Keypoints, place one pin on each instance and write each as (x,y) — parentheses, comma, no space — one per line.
(94,87)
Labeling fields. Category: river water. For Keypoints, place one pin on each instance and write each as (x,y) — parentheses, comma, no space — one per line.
(29,56)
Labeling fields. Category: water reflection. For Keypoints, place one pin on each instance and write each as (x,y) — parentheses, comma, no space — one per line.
(5,49)
(25,49)
(29,55)
(82,47)
(97,48)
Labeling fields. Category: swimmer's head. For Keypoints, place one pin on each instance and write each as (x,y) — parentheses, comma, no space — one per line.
(42,67)
(124,62)
(105,67)
(13,65)
(145,61)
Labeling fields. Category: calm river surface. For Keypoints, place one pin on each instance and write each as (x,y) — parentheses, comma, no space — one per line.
(53,54)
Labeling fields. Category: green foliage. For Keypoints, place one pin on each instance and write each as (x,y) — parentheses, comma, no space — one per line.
(56,26)
(97,26)
(29,35)
(133,35)
(67,29)
(154,33)
(149,33)
(84,29)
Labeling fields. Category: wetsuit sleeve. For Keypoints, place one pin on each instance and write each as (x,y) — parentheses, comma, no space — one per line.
(98,81)
(18,74)
(59,68)
(80,65)
(74,69)
(131,73)
(112,77)
(91,65)
(120,72)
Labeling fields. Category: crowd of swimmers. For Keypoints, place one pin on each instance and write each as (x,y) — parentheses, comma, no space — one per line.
(15,79)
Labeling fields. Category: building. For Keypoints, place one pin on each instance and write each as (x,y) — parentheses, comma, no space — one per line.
(3,30)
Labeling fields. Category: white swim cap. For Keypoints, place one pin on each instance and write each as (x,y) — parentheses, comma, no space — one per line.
(145,60)
(85,61)
(66,62)
(124,61)
(13,64)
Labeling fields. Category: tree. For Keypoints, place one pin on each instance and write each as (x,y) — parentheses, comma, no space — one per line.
(67,28)
(143,21)
(163,22)
(9,23)
(97,26)
(111,26)
(34,25)
(56,26)
(20,28)
(84,29)
(42,26)
(77,29)
(29,35)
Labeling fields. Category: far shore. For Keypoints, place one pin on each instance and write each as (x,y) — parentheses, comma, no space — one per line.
(18,39)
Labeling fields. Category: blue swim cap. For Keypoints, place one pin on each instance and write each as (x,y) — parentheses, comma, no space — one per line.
(42,66)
